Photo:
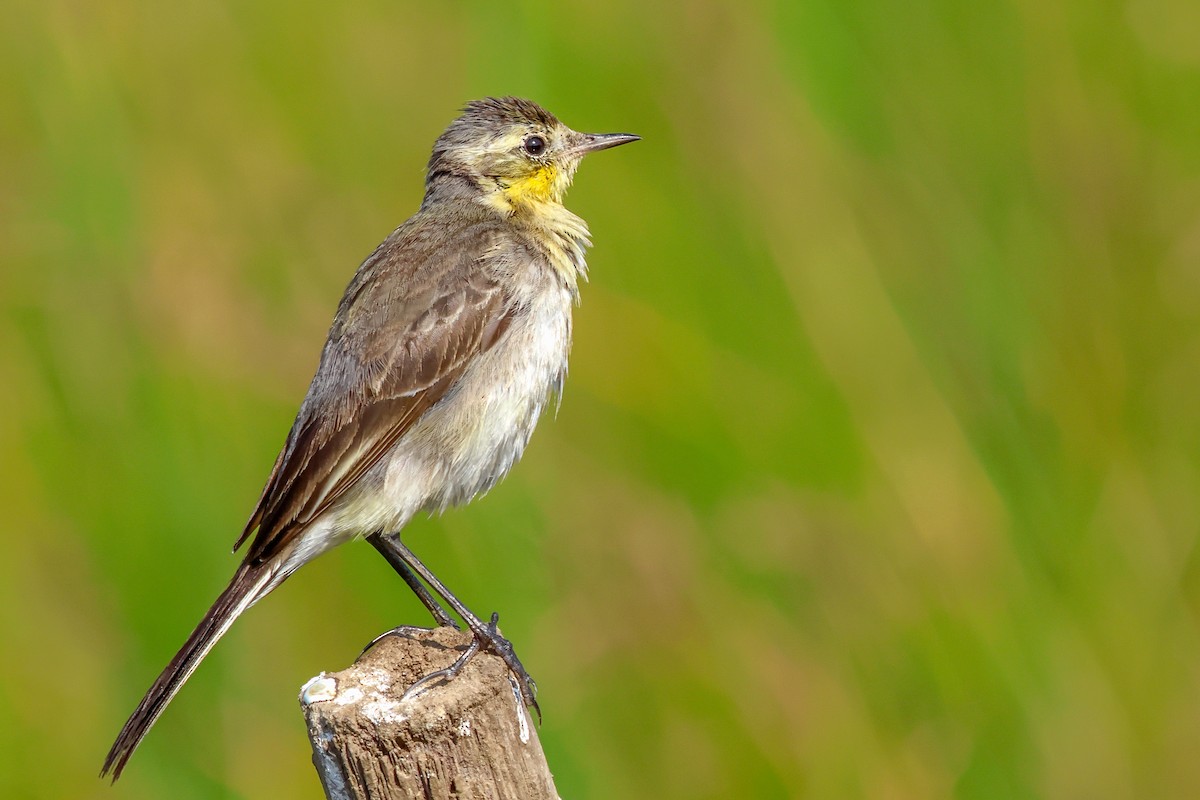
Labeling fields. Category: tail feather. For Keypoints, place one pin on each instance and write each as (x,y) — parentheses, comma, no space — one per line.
(249,584)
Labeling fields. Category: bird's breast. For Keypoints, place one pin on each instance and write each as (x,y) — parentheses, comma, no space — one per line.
(473,436)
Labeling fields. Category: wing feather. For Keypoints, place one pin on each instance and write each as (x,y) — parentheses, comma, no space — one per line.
(410,324)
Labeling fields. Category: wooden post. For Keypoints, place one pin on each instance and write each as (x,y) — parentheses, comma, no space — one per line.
(465,739)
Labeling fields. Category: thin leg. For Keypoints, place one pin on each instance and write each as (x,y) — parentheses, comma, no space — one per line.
(486,634)
(440,615)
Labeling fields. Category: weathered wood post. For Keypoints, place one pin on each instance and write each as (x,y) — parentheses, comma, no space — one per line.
(463,739)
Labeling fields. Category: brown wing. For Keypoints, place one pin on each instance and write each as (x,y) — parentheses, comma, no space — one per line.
(411,322)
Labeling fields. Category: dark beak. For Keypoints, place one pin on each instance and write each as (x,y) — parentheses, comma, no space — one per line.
(591,142)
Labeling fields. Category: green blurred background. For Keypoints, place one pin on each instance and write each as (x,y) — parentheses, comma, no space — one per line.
(876,474)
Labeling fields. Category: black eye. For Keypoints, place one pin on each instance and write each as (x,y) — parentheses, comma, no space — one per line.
(534,145)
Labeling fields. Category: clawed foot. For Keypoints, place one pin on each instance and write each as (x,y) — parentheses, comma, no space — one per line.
(503,648)
(403,630)
(490,638)
(448,674)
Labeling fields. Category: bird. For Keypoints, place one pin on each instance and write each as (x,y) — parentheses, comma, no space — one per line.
(451,339)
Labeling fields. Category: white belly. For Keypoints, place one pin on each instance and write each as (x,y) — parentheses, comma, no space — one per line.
(467,441)
(480,429)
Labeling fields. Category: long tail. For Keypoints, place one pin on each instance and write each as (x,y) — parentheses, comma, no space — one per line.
(249,584)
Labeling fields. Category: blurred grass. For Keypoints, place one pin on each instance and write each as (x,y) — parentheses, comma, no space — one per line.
(876,474)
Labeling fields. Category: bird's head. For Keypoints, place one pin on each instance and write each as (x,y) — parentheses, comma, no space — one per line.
(514,151)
